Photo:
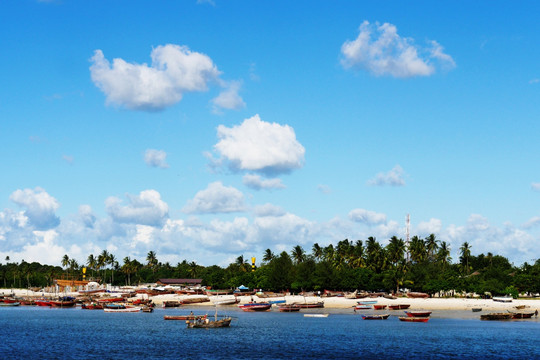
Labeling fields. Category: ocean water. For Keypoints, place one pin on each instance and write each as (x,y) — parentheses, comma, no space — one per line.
(48,333)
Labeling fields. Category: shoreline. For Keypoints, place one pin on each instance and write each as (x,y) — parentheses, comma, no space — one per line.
(329,302)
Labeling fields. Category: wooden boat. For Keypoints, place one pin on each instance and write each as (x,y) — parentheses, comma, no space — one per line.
(110,299)
(10,303)
(367,302)
(194,300)
(521,307)
(416,295)
(316,315)
(9,300)
(27,302)
(253,306)
(319,304)
(379,307)
(225,301)
(350,295)
(288,308)
(418,313)
(522,315)
(133,309)
(207,323)
(496,316)
(330,293)
(219,292)
(63,303)
(91,306)
(43,302)
(504,299)
(476,309)
(362,307)
(171,303)
(147,309)
(375,317)
(184,317)
(391,297)
(399,306)
(413,319)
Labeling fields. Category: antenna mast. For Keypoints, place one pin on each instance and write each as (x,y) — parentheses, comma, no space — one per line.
(407,234)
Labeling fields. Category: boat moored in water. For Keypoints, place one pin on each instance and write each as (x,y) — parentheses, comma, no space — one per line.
(413,319)
(496,316)
(418,313)
(376,317)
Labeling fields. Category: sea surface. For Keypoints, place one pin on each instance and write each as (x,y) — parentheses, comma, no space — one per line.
(50,333)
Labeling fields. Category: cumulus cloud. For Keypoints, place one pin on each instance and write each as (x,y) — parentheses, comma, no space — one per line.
(229,98)
(532,222)
(367,217)
(268,210)
(39,207)
(147,209)
(393,178)
(259,146)
(381,51)
(433,226)
(216,198)
(256,182)
(156,158)
(174,71)
(87,216)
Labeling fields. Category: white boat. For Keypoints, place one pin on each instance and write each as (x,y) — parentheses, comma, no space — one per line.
(504,299)
(125,310)
(225,301)
(316,315)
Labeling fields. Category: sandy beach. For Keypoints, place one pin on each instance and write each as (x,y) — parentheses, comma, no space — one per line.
(329,302)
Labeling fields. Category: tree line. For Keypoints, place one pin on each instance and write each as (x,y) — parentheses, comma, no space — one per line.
(422,264)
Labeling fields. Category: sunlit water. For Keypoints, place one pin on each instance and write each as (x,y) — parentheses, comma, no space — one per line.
(44,333)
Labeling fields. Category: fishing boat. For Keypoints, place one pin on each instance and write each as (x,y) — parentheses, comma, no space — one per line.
(63,303)
(418,313)
(504,299)
(476,309)
(367,302)
(110,299)
(253,306)
(416,295)
(206,323)
(225,301)
(375,317)
(496,316)
(91,306)
(522,315)
(362,307)
(194,300)
(379,307)
(288,308)
(319,304)
(43,302)
(316,315)
(171,303)
(10,303)
(521,307)
(219,292)
(184,317)
(399,306)
(133,309)
(413,319)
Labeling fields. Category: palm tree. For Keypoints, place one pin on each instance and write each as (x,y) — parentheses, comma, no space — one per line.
(65,262)
(317,252)
(431,246)
(298,254)
(268,255)
(112,261)
(91,262)
(127,268)
(465,254)
(102,261)
(417,249)
(242,263)
(152,261)
(357,255)
(375,255)
(193,269)
(443,256)
(329,253)
(395,250)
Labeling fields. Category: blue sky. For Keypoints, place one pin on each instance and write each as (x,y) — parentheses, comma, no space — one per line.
(205,130)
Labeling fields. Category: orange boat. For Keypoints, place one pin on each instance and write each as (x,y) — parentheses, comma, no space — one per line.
(413,319)
(399,306)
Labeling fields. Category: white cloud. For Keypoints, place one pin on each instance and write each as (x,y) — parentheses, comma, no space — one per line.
(532,222)
(433,226)
(387,53)
(268,210)
(145,209)
(174,71)
(535,186)
(367,217)
(260,146)
(156,158)
(40,207)
(256,182)
(229,98)
(216,198)
(87,216)
(393,178)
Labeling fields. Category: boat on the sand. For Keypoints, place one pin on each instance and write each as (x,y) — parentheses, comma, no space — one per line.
(496,316)
(418,313)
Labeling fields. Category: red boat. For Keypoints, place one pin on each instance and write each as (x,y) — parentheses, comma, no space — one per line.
(92,306)
(522,315)
(252,306)
(413,319)
(399,306)
(110,299)
(379,307)
(63,303)
(288,307)
(43,302)
(9,300)
(418,313)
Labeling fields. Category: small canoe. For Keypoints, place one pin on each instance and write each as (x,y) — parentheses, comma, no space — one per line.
(522,315)
(418,313)
(413,319)
(399,306)
(125,310)
(476,309)
(379,307)
(367,302)
(316,315)
(255,306)
(184,317)
(362,307)
(375,317)
(288,308)
(496,316)
(10,304)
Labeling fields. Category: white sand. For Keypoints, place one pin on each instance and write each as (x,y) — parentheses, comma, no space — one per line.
(333,302)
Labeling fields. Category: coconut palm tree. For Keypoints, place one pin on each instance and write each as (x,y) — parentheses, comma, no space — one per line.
(91,262)
(317,252)
(443,256)
(65,263)
(268,255)
(395,250)
(417,249)
(298,254)
(432,245)
(151,260)
(113,263)
(465,255)
(127,269)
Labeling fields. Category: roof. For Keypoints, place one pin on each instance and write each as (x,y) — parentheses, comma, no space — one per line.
(179,281)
